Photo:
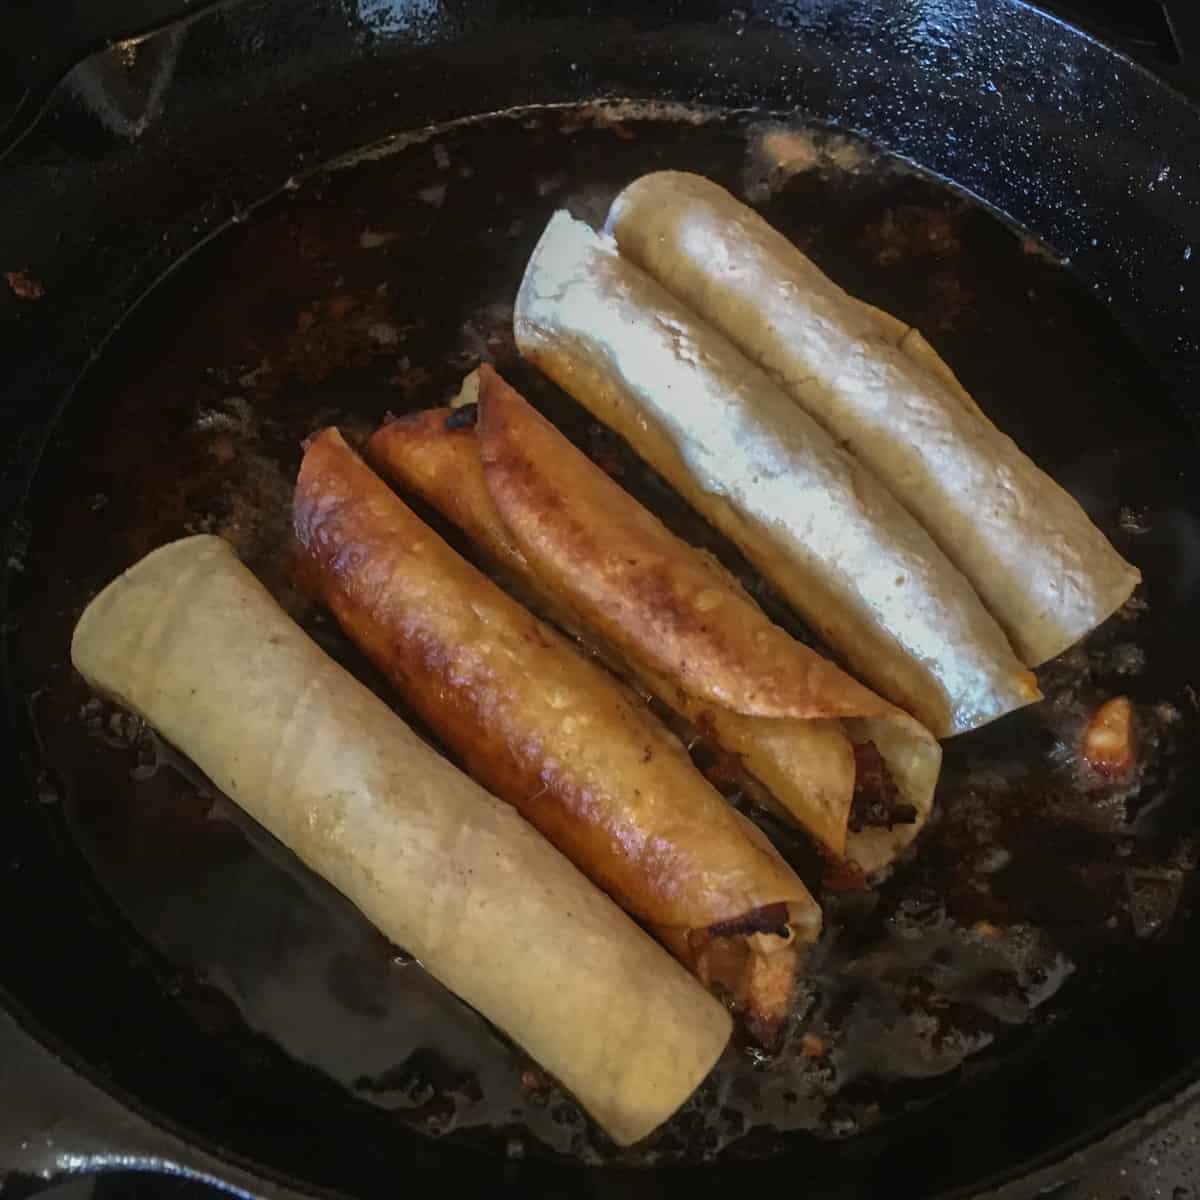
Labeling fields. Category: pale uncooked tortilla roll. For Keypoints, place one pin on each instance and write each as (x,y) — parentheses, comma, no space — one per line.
(841,549)
(1042,568)
(189,640)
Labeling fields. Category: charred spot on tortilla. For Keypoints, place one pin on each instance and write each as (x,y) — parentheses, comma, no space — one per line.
(463,417)
(771,918)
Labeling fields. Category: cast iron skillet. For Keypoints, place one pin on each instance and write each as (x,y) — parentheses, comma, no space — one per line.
(151,148)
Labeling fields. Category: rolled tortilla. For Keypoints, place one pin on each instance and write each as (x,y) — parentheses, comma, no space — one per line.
(591,555)
(808,765)
(847,556)
(189,640)
(1042,568)
(555,735)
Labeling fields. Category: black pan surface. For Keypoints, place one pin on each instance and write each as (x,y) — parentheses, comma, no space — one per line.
(235,997)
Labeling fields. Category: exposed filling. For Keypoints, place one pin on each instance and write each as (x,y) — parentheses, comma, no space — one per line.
(771,918)
(751,962)
(877,802)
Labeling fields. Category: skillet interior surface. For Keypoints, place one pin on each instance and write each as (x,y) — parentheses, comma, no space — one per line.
(978,996)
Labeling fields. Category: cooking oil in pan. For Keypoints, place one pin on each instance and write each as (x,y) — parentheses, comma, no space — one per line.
(371,289)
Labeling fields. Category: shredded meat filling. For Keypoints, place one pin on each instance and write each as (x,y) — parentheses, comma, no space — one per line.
(877,803)
(771,918)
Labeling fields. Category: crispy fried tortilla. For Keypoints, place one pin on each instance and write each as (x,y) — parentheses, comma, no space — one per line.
(687,631)
(548,730)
